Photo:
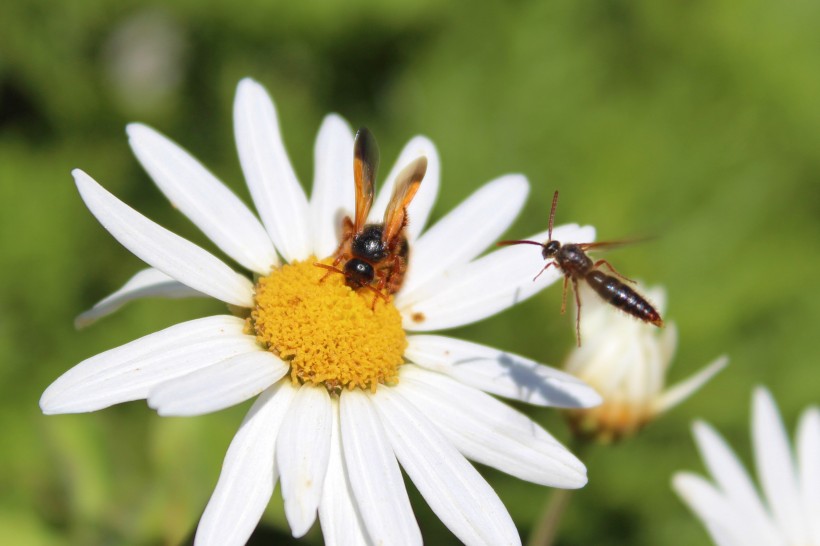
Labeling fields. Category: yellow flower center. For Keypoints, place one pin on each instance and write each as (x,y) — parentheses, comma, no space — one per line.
(330,334)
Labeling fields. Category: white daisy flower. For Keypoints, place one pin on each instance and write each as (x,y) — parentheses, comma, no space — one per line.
(731,508)
(627,360)
(345,395)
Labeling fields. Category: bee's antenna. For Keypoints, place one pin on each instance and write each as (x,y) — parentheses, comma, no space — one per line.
(552,213)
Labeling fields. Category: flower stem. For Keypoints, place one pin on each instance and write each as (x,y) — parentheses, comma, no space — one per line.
(546,529)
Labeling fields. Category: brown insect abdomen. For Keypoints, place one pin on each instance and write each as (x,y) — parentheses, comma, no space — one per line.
(623,297)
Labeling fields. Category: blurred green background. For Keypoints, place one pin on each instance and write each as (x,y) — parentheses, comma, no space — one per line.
(695,122)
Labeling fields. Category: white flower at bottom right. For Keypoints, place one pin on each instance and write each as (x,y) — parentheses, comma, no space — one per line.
(730,507)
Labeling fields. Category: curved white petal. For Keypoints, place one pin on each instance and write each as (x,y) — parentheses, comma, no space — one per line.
(725,525)
(248,473)
(776,467)
(217,386)
(146,283)
(490,432)
(465,232)
(340,519)
(686,388)
(499,372)
(733,480)
(333,195)
(456,492)
(808,459)
(486,286)
(374,474)
(130,371)
(206,201)
(166,251)
(279,198)
(302,452)
(422,204)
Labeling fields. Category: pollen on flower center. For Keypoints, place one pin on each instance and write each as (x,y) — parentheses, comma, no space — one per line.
(328,333)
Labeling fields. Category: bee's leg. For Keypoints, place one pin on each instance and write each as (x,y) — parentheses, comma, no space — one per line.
(609,265)
(378,292)
(347,234)
(396,266)
(564,295)
(545,268)
(578,316)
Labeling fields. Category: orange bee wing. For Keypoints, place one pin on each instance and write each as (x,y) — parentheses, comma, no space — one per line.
(407,184)
(365,165)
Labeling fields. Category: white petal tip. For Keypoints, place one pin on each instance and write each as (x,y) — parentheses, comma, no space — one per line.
(575,484)
(83,320)
(133,129)
(591,399)
(80,176)
(299,523)
(53,404)
(686,388)
(249,85)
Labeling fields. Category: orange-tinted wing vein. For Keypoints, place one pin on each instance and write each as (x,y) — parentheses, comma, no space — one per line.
(407,184)
(365,165)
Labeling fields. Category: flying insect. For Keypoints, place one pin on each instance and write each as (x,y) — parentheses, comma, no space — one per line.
(572,261)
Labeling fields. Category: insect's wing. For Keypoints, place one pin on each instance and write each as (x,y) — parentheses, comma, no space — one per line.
(608,245)
(407,184)
(365,165)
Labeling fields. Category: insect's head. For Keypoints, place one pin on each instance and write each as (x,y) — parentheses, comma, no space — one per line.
(358,273)
(550,249)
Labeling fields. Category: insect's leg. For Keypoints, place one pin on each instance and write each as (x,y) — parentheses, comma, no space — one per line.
(609,265)
(545,268)
(347,234)
(395,269)
(578,317)
(564,295)
(378,295)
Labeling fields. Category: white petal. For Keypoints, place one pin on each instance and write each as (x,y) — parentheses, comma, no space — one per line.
(374,474)
(130,371)
(500,373)
(279,198)
(808,458)
(732,479)
(776,467)
(333,187)
(146,283)
(302,452)
(486,286)
(681,391)
(206,201)
(218,386)
(422,204)
(490,432)
(341,522)
(456,492)
(465,232)
(166,251)
(725,525)
(248,473)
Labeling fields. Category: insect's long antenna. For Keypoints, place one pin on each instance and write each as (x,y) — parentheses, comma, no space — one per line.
(509,243)
(329,268)
(552,213)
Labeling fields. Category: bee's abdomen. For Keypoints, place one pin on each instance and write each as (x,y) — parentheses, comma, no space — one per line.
(623,297)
